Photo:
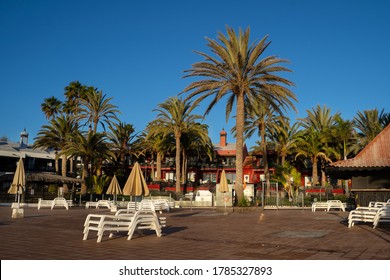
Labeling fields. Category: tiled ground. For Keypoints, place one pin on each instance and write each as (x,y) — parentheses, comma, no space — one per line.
(199,234)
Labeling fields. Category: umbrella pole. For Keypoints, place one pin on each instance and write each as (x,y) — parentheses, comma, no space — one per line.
(18,195)
(224,199)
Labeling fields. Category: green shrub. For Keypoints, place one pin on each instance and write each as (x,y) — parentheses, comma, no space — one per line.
(243,202)
(341,197)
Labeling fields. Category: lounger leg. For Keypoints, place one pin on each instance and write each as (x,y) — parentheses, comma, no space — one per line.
(99,238)
(130,233)
(157,229)
(86,232)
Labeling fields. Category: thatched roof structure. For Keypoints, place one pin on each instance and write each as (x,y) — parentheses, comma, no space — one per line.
(44,177)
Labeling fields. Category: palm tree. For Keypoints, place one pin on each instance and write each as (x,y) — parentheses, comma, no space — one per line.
(343,134)
(289,177)
(238,74)
(311,144)
(74,92)
(343,138)
(92,148)
(369,123)
(120,137)
(154,141)
(261,117)
(55,136)
(51,107)
(285,138)
(195,142)
(96,108)
(174,116)
(321,120)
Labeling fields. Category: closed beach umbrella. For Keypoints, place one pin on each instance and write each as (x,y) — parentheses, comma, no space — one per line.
(114,187)
(136,184)
(223,186)
(19,180)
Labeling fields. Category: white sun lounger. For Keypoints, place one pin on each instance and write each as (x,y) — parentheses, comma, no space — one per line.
(328,205)
(60,201)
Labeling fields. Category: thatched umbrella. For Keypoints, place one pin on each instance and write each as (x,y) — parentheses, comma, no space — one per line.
(114,188)
(18,182)
(223,186)
(136,184)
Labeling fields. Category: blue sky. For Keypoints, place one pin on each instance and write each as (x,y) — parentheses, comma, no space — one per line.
(136,52)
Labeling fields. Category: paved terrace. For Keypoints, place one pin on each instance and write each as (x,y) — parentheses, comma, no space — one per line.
(199,234)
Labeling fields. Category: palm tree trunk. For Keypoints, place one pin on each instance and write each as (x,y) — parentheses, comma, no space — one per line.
(265,160)
(84,176)
(95,124)
(63,172)
(177,138)
(152,168)
(71,165)
(323,178)
(240,119)
(184,167)
(159,158)
(345,158)
(315,171)
(56,165)
(283,159)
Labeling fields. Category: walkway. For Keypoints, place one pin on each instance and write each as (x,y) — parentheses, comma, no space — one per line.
(197,234)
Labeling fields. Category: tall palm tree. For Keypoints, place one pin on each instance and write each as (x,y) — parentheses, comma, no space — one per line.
(174,116)
(236,72)
(51,107)
(92,148)
(96,108)
(55,136)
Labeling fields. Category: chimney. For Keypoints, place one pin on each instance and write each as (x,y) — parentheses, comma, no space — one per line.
(222,138)
(23,139)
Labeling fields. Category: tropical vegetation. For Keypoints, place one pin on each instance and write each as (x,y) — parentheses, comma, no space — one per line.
(85,127)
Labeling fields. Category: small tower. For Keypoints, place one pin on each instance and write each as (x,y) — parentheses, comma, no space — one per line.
(23,139)
(222,138)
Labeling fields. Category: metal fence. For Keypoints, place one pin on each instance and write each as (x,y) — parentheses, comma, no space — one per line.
(278,197)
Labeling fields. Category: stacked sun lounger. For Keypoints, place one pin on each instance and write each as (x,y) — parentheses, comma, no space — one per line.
(375,213)
(124,220)
(382,216)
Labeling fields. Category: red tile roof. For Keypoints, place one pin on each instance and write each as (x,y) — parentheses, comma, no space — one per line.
(375,154)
